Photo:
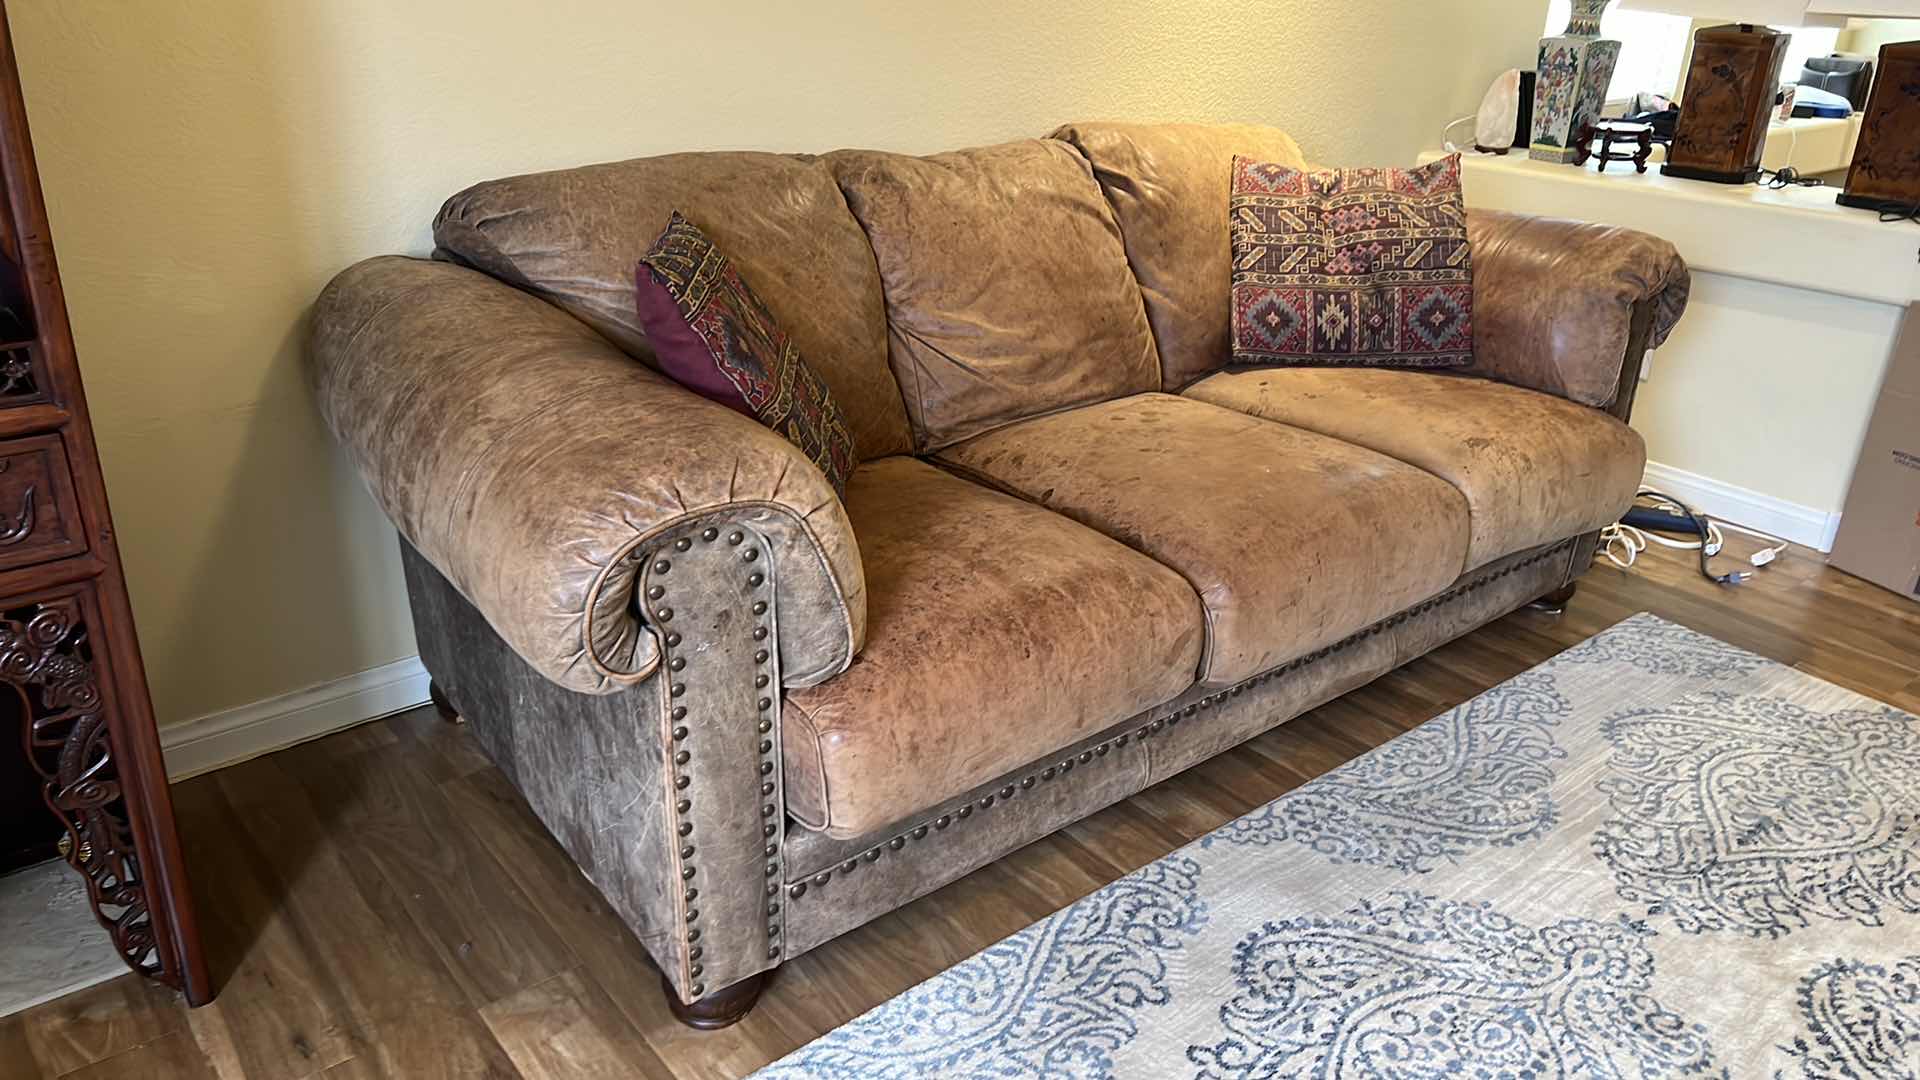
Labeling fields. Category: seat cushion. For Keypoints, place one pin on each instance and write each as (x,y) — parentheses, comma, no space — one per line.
(1293,540)
(1168,187)
(996,632)
(574,237)
(1008,293)
(1534,468)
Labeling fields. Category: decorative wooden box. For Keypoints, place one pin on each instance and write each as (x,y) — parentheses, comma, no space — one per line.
(1886,162)
(1731,84)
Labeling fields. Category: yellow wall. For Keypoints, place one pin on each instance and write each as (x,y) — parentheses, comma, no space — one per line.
(209,164)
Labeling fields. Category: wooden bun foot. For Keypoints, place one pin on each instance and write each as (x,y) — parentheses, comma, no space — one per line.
(722,1008)
(441,703)
(1554,602)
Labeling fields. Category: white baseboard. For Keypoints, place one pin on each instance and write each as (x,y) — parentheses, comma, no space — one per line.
(1742,506)
(233,735)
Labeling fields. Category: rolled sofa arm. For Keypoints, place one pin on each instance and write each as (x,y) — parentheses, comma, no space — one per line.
(537,466)
(1555,302)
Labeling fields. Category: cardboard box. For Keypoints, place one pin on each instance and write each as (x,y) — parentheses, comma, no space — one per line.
(1879,537)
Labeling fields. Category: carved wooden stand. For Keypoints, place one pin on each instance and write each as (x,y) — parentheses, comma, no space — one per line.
(67,645)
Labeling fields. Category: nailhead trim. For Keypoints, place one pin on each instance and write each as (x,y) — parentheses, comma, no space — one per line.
(682,757)
(964,810)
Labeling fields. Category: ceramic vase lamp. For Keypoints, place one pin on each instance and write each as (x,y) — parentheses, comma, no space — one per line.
(1571,88)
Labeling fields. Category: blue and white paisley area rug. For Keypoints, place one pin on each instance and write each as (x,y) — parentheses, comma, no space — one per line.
(1655,855)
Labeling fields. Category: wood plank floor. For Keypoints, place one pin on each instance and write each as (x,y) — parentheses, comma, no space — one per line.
(380,903)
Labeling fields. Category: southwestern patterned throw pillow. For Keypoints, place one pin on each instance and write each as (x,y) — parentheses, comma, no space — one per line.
(1364,267)
(712,335)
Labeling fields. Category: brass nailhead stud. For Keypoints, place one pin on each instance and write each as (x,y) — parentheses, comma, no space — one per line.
(678,663)
(759,607)
(773,951)
(872,855)
(760,657)
(765,704)
(687,874)
(687,852)
(773,909)
(942,821)
(693,934)
(760,682)
(765,726)
(709,535)
(735,538)
(773,869)
(1046,773)
(1007,792)
(682,758)
(750,554)
(897,843)
(695,953)
(766,811)
(920,832)
(679,733)
(1026,781)
(759,633)
(850,866)
(673,639)
(766,768)
(772,850)
(986,801)
(695,970)
(765,746)
(699,990)
(822,877)
(756,579)
(965,811)
(798,890)
(682,544)
(693,914)
(678,690)
(772,930)
(1086,756)
(665,614)
(656,593)
(683,805)
(681,782)
(1101,749)
(773,888)
(686,828)
(662,566)
(679,712)
(768,829)
(766,788)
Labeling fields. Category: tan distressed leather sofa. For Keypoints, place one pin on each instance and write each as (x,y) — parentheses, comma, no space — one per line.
(1080,554)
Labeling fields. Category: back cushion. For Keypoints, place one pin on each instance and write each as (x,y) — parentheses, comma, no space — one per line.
(1008,293)
(576,237)
(1169,186)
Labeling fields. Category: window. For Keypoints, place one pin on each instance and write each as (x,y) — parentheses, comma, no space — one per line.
(1653,47)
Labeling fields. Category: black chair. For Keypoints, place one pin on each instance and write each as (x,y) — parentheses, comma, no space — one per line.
(1847,76)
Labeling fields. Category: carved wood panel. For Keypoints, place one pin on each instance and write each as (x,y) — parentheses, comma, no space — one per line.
(47,658)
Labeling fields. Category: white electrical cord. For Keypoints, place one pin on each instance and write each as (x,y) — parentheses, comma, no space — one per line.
(1621,544)
(1446,135)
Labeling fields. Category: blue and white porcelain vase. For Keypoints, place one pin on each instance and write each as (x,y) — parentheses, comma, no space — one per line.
(1570,88)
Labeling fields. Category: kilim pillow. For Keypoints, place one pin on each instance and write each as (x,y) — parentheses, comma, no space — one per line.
(1366,267)
(712,335)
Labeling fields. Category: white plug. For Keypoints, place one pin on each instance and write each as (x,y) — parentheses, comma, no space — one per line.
(1763,556)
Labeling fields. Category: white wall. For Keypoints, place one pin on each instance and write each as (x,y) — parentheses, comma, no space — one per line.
(210,163)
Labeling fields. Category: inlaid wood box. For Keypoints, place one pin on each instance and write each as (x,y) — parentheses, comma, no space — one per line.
(1886,162)
(1730,88)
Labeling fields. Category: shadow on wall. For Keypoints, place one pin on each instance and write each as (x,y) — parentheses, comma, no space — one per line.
(183,157)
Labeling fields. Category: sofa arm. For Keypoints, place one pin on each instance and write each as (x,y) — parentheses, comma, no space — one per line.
(1555,302)
(537,467)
